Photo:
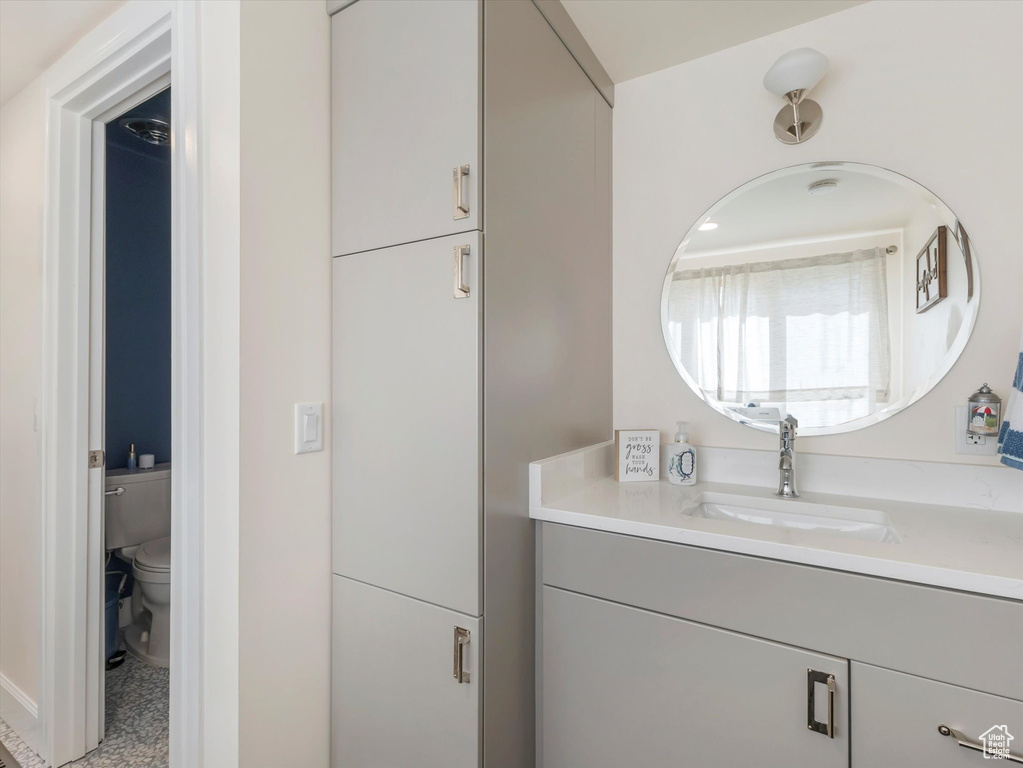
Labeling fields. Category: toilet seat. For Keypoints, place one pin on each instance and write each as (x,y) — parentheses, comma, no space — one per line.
(154,555)
(151,577)
(152,561)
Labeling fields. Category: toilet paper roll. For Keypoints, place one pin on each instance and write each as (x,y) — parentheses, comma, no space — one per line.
(146,461)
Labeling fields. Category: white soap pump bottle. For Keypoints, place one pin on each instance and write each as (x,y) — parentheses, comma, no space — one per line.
(682,458)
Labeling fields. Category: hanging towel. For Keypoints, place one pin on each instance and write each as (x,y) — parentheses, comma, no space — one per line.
(1010,436)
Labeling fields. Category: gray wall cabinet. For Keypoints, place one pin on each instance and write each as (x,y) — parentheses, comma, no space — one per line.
(406,78)
(406,405)
(471,335)
(680,656)
(393,703)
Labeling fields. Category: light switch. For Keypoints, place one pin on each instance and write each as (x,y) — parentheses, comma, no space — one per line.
(308,427)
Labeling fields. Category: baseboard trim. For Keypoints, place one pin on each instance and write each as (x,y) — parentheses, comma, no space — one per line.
(20,713)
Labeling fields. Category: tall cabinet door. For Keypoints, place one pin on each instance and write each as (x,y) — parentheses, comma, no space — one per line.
(396,699)
(626,687)
(406,419)
(406,121)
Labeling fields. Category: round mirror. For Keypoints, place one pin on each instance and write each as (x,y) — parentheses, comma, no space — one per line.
(839,293)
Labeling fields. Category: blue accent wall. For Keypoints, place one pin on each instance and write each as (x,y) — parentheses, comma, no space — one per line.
(138,293)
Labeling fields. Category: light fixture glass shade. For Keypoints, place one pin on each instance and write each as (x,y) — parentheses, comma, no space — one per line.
(800,69)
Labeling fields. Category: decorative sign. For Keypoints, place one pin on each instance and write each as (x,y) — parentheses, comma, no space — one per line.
(639,455)
(931,279)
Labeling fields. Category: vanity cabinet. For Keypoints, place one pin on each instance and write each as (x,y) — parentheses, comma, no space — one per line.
(679,655)
(471,335)
(628,687)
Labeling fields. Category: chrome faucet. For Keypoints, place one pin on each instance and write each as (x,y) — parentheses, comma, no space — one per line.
(787,457)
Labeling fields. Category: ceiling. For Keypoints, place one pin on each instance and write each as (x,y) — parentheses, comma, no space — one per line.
(630,37)
(636,37)
(779,208)
(36,33)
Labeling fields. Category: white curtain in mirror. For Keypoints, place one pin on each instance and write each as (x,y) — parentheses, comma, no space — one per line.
(809,335)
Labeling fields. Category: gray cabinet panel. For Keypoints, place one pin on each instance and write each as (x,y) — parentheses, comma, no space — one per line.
(547,319)
(395,702)
(406,455)
(920,630)
(405,101)
(895,719)
(623,687)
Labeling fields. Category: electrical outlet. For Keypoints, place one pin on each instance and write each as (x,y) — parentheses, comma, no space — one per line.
(974,445)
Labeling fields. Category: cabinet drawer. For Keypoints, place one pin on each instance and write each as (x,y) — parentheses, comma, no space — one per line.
(895,719)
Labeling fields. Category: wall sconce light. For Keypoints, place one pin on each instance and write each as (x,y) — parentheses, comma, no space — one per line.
(791,77)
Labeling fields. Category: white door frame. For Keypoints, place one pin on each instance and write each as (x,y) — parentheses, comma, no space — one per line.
(136,46)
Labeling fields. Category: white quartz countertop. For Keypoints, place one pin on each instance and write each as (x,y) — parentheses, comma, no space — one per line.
(969,549)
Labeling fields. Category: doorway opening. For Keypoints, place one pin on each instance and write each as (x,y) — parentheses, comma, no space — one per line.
(133,709)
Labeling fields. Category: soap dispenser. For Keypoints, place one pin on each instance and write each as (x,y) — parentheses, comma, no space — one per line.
(682,458)
(132,460)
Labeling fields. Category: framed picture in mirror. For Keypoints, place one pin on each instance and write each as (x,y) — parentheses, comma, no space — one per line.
(931,275)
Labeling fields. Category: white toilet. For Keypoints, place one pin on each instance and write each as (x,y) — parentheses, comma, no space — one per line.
(138,527)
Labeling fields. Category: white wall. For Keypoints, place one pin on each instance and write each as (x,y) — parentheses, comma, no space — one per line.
(688,135)
(21,235)
(265,154)
(284,604)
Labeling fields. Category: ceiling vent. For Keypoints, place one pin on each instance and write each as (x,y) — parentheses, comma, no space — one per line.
(148,129)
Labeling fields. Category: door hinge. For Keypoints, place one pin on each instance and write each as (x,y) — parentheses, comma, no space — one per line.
(96,459)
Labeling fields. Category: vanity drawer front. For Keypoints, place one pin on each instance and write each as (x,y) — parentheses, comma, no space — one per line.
(916,629)
(895,719)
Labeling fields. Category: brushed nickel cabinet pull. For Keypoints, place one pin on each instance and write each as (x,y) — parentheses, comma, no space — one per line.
(968,743)
(461,640)
(461,290)
(459,173)
(813,677)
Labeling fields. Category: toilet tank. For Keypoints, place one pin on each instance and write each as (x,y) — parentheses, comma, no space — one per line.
(142,512)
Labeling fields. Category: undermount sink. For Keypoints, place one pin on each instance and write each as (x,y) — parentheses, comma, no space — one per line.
(850,522)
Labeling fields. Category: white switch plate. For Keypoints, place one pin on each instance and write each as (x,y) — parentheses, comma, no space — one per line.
(973,445)
(308,427)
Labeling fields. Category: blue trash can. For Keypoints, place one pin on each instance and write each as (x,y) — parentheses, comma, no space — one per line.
(114,585)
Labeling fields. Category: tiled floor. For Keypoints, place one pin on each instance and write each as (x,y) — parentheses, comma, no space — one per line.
(137,727)
(6,760)
(19,750)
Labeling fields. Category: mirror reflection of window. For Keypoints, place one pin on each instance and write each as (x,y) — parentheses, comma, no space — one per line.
(799,291)
(808,335)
